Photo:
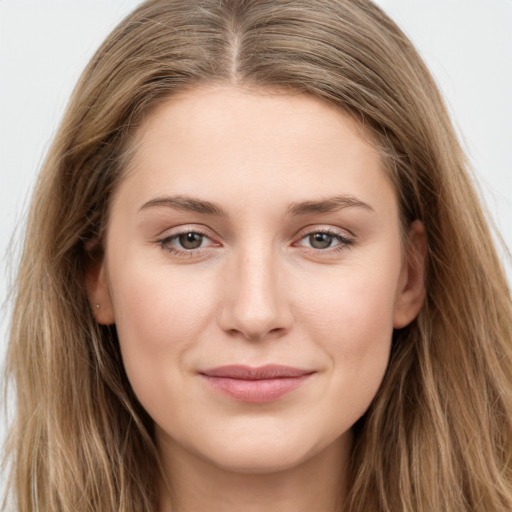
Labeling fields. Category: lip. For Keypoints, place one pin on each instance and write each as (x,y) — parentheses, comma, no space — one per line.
(256,384)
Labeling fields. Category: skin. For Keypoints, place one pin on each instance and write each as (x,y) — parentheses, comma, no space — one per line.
(258,290)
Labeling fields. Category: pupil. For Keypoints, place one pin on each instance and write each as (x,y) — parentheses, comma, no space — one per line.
(320,240)
(191,240)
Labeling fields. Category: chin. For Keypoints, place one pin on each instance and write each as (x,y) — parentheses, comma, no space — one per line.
(259,454)
(257,460)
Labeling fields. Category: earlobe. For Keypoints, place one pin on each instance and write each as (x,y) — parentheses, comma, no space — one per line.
(411,289)
(98,293)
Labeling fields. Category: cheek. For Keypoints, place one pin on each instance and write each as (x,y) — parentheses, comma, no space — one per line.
(159,316)
(160,303)
(353,307)
(351,318)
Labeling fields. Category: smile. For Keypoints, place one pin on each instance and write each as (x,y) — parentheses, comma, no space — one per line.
(257,385)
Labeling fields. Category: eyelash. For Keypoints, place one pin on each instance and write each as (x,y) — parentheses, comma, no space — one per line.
(164,243)
(343,242)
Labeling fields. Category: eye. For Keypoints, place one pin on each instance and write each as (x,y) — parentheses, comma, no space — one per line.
(323,240)
(185,243)
(190,240)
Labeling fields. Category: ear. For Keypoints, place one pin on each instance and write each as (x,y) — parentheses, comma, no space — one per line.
(98,293)
(411,287)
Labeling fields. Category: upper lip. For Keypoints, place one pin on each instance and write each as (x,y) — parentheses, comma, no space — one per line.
(242,372)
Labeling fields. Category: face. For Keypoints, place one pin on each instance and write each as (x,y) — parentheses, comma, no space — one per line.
(255,270)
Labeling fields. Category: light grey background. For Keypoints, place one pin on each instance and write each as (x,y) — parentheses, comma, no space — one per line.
(45,44)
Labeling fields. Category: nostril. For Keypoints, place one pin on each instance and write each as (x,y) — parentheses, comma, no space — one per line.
(257,335)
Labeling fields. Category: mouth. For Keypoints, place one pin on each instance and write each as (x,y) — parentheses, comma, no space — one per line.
(256,384)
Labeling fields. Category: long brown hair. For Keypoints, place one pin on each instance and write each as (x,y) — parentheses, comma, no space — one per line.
(438,435)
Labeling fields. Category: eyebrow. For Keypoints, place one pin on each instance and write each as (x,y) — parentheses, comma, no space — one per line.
(191,204)
(328,205)
(187,204)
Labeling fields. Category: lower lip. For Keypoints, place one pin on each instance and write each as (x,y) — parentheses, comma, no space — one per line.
(256,391)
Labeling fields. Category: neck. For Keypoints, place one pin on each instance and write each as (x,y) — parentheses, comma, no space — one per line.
(197,485)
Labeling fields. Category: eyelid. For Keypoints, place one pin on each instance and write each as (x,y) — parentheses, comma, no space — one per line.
(183,229)
(165,239)
(331,230)
(344,240)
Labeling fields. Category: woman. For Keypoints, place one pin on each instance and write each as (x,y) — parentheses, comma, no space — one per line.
(262,278)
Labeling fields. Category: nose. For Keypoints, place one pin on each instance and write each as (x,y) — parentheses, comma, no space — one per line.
(254,301)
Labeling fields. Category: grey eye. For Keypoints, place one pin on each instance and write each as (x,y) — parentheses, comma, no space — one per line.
(320,240)
(190,240)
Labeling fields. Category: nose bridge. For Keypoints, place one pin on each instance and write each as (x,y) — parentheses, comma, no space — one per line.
(255,302)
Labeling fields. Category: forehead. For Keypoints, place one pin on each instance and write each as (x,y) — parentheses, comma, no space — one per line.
(223,138)
(219,111)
